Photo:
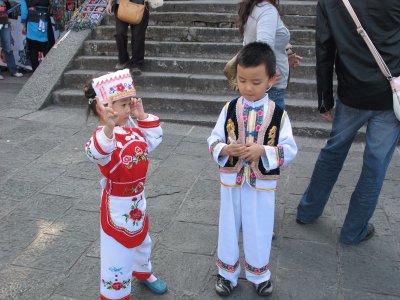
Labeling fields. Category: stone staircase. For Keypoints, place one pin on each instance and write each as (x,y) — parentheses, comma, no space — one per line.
(187,46)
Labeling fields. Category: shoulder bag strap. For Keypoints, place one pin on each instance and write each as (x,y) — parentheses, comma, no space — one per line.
(371,46)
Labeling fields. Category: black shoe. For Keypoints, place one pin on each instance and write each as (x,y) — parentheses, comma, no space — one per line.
(298,221)
(370,232)
(223,286)
(264,288)
(121,66)
(135,71)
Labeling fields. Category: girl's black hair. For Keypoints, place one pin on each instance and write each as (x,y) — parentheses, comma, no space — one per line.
(245,9)
(90,95)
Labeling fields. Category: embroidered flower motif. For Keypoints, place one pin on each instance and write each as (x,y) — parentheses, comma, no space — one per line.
(238,179)
(246,106)
(126,159)
(260,113)
(138,150)
(120,87)
(109,285)
(139,188)
(256,271)
(226,267)
(252,174)
(136,214)
(117,286)
(213,145)
(244,118)
(258,127)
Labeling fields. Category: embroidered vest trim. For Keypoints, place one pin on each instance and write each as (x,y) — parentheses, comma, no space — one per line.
(268,135)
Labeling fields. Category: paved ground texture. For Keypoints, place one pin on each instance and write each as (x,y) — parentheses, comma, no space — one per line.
(49,218)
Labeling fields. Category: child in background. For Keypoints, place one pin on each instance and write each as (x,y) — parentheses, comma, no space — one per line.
(251,140)
(120,148)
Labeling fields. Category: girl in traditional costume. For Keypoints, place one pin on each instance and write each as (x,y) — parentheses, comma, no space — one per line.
(120,149)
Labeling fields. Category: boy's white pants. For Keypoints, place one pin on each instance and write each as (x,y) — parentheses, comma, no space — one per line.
(254,211)
(119,264)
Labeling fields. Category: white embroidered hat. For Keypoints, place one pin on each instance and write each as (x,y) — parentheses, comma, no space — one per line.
(114,86)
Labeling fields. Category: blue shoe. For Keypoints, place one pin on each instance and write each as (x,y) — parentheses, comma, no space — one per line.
(157,287)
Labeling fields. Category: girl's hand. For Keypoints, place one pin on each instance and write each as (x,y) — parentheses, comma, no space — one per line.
(108,117)
(253,152)
(137,109)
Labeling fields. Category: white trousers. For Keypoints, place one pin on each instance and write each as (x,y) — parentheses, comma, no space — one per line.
(119,264)
(252,210)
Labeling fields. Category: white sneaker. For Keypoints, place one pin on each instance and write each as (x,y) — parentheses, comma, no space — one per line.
(18,74)
(1,77)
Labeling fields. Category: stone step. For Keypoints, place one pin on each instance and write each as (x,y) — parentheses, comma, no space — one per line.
(182,49)
(305,8)
(198,34)
(167,49)
(226,20)
(177,65)
(299,110)
(196,19)
(187,83)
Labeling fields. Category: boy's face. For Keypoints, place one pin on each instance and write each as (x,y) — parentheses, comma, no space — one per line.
(253,82)
(123,108)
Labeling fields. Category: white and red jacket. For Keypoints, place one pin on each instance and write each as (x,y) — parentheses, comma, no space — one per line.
(123,161)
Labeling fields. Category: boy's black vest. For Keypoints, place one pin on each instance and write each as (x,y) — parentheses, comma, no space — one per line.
(270,138)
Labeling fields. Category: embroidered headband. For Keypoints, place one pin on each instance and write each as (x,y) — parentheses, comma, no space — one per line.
(114,86)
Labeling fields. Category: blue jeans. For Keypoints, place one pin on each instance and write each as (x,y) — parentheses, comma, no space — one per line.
(382,136)
(5,39)
(278,96)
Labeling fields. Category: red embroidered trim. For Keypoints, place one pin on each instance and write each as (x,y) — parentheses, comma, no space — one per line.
(105,298)
(126,238)
(97,146)
(141,275)
(148,124)
(226,267)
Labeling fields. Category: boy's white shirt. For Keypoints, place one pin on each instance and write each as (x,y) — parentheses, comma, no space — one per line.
(269,160)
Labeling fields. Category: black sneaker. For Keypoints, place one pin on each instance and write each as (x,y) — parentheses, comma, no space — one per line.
(223,286)
(370,232)
(298,221)
(264,288)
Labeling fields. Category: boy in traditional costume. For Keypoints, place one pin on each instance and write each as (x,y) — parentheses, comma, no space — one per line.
(120,148)
(251,140)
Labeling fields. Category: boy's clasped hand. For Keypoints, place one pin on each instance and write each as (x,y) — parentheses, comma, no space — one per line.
(248,152)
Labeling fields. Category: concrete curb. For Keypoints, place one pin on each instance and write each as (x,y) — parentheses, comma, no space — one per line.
(37,91)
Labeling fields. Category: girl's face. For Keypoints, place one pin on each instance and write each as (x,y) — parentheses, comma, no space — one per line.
(123,108)
(253,82)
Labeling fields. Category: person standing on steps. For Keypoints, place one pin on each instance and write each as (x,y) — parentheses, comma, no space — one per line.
(36,25)
(5,40)
(138,36)
(259,20)
(364,98)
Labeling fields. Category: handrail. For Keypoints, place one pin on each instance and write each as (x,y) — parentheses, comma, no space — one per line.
(13,8)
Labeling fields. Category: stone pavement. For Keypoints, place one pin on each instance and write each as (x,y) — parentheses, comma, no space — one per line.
(49,218)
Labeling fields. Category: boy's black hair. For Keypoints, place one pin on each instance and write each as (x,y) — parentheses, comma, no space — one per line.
(255,54)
